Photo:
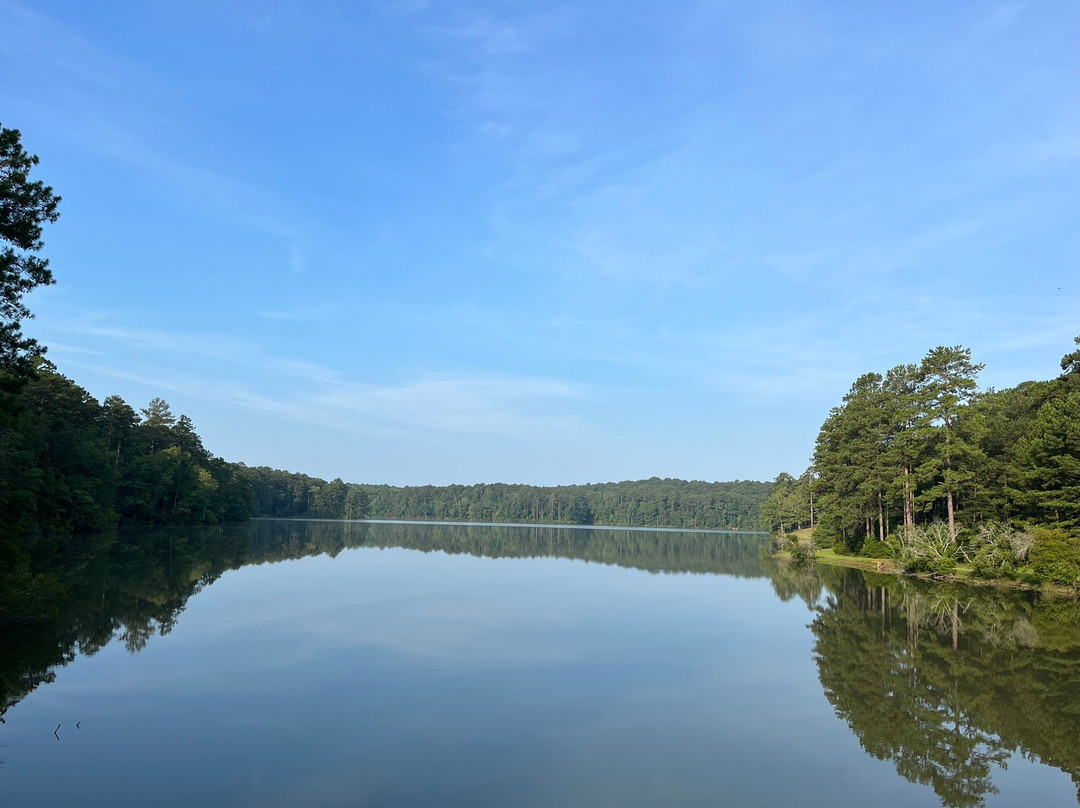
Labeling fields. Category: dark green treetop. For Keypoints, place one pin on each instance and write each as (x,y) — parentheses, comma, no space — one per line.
(25,207)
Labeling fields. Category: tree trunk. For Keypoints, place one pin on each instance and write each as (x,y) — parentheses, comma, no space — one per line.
(909,500)
(948,482)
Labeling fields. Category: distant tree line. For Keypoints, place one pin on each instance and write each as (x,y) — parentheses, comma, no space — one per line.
(71,464)
(643,503)
(291,495)
(919,462)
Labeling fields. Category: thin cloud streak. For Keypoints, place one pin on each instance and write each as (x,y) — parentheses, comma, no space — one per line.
(485,404)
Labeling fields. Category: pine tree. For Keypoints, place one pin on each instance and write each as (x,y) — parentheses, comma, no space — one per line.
(947,385)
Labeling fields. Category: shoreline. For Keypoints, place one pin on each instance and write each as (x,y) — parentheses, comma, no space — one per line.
(515,524)
(886,566)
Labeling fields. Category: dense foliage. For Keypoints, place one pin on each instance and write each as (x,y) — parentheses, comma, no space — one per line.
(71,464)
(644,503)
(25,207)
(287,494)
(921,445)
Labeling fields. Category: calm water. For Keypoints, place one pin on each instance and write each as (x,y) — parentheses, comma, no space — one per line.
(342,664)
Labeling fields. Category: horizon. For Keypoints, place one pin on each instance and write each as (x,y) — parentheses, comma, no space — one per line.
(539,243)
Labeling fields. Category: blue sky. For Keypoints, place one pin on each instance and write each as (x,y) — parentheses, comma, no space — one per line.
(416,242)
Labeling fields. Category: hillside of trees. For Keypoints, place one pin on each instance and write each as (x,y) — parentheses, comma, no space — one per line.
(644,503)
(919,464)
(70,466)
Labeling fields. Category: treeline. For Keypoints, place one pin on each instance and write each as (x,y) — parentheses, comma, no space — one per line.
(71,464)
(644,503)
(291,495)
(921,445)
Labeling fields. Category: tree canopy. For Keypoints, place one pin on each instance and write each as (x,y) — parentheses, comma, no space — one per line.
(922,444)
(25,207)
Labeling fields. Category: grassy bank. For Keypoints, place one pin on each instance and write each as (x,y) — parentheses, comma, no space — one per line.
(962,573)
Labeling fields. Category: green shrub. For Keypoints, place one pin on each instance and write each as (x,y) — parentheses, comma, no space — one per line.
(1055,557)
(803,552)
(872,548)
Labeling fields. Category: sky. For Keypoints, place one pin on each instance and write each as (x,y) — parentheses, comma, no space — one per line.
(420,242)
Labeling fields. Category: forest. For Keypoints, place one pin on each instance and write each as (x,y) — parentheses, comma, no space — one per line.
(920,465)
(643,503)
(71,464)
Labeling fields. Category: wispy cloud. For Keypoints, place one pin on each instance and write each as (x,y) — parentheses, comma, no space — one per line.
(478,403)
(404,6)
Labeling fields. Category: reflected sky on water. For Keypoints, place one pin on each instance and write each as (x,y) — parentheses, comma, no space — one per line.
(286,663)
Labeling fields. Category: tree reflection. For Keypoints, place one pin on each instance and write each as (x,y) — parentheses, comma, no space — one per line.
(133,587)
(946,682)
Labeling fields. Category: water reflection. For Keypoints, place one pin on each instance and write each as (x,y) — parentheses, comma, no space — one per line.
(943,683)
(133,586)
(946,682)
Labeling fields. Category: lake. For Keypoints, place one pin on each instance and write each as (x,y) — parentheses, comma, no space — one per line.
(344,664)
